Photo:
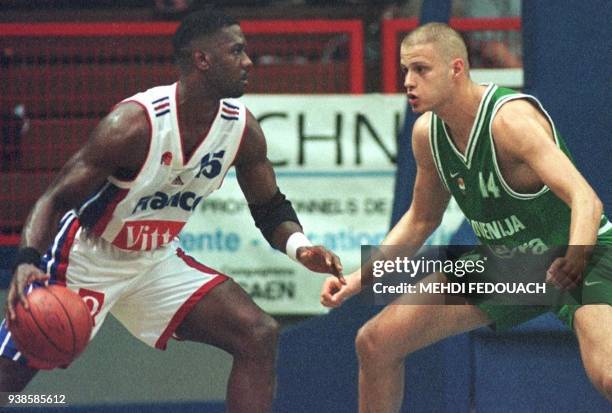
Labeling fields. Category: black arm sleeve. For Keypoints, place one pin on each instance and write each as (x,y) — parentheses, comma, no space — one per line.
(270,215)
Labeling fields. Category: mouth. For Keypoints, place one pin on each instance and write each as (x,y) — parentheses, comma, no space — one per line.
(412,98)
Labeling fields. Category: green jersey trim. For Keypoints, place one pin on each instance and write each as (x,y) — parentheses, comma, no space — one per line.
(476,128)
(504,184)
(604,226)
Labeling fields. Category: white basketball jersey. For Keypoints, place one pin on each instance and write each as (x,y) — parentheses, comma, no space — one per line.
(151,210)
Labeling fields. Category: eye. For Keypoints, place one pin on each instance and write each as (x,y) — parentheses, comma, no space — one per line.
(238,50)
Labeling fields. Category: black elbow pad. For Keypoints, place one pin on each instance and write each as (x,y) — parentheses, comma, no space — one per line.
(270,215)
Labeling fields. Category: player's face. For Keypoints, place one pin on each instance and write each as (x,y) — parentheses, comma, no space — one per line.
(427,77)
(230,65)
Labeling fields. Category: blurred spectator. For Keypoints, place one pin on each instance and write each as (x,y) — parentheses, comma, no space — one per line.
(14,126)
(487,49)
(492,49)
(395,9)
(171,8)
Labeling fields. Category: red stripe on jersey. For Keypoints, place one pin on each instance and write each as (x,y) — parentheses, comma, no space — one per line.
(230,111)
(163,105)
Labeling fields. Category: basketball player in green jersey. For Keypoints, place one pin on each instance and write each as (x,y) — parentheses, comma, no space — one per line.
(497,153)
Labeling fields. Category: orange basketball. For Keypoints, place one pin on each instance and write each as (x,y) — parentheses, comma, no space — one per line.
(55,330)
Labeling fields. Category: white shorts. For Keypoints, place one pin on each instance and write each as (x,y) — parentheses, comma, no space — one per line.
(149,292)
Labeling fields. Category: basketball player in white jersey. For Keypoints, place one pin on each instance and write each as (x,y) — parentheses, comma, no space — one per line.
(130,190)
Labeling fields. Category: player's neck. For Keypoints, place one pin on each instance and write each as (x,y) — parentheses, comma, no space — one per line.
(195,107)
(459,112)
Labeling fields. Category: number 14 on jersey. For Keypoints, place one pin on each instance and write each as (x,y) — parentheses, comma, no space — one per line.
(490,187)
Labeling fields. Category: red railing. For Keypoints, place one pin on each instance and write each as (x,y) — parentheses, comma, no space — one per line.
(351,28)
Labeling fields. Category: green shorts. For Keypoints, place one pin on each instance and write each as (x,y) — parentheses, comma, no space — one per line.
(596,288)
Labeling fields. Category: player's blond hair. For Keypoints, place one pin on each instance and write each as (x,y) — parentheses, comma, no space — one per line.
(448,41)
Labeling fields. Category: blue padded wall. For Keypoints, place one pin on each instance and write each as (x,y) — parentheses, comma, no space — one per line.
(568,66)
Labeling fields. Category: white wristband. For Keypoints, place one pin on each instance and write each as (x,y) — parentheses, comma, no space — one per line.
(295,241)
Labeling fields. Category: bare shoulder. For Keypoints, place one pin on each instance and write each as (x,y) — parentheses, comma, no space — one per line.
(421,125)
(121,138)
(126,122)
(517,107)
(519,125)
(516,116)
(420,136)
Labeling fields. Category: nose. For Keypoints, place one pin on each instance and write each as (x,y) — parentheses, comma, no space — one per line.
(409,82)
(247,62)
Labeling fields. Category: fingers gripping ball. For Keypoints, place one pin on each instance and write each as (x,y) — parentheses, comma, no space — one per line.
(55,330)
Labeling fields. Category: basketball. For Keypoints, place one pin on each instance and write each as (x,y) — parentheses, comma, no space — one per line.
(55,330)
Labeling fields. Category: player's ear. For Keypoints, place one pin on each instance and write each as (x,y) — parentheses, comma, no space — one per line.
(201,59)
(457,66)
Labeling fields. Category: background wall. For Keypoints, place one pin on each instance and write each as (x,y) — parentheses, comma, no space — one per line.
(567,66)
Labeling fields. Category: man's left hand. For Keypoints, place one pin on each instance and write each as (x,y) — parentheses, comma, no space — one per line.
(319,259)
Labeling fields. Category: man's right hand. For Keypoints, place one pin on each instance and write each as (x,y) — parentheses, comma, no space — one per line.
(24,275)
(334,293)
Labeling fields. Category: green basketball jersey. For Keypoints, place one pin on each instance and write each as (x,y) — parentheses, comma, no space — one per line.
(498,214)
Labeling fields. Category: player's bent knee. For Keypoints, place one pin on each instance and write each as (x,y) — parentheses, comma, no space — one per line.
(259,337)
(265,332)
(365,344)
(370,345)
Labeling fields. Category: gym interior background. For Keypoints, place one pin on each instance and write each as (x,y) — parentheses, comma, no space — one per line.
(59,66)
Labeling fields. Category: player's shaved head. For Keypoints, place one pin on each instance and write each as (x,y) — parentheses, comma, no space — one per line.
(447,41)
